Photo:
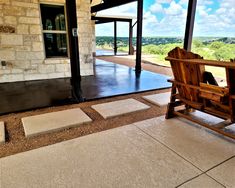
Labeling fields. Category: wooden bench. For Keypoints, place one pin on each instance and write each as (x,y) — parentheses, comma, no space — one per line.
(192,90)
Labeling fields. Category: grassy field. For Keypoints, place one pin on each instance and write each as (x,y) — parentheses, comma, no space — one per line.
(217,71)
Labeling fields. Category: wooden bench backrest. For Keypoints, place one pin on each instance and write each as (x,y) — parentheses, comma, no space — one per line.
(187,73)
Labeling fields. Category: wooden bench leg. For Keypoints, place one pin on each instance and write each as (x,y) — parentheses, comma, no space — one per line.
(170,107)
(189,109)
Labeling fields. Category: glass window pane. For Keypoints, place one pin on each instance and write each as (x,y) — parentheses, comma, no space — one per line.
(53,17)
(55,45)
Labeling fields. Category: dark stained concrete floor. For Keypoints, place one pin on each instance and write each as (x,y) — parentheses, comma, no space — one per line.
(109,80)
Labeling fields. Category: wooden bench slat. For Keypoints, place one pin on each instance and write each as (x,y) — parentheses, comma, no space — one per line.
(225,64)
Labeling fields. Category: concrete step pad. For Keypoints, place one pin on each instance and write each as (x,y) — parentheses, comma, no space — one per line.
(116,108)
(49,122)
(2,133)
(161,99)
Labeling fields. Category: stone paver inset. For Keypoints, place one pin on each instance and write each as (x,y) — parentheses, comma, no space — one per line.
(116,108)
(53,121)
(161,99)
(2,133)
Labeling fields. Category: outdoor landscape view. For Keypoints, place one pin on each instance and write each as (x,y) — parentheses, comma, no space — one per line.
(155,49)
(164,26)
(216,48)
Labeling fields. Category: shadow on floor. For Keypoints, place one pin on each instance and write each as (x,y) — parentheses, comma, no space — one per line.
(109,80)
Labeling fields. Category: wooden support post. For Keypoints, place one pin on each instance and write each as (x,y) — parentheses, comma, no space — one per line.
(139,36)
(115,37)
(190,24)
(131,50)
(231,84)
(74,50)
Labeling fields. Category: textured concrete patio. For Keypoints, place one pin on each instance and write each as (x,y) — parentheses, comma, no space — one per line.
(151,153)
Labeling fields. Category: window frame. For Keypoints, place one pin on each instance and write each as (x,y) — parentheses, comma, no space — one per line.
(55,31)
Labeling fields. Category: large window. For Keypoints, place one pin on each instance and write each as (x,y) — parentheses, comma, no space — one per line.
(54,30)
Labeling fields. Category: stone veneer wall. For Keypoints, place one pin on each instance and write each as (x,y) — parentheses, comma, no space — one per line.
(21,42)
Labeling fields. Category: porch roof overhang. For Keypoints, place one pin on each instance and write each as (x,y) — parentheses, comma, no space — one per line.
(106,19)
(99,5)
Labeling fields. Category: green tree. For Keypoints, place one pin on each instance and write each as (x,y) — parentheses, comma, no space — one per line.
(225,53)
(197,43)
(216,45)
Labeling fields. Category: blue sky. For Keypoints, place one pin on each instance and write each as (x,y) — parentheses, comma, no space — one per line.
(168,18)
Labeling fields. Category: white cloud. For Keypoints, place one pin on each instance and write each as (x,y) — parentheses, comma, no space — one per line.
(174,9)
(201,11)
(227,3)
(164,1)
(209,22)
(221,11)
(199,2)
(172,23)
(104,29)
(204,2)
(124,10)
(183,2)
(122,28)
(220,22)
(150,24)
(156,8)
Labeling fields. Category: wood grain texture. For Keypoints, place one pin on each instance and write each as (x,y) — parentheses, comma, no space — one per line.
(190,88)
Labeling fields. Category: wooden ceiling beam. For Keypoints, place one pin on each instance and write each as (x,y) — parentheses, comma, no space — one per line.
(102,22)
(110,19)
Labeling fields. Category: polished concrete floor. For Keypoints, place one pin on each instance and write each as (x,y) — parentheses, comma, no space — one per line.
(112,79)
(109,80)
(101,52)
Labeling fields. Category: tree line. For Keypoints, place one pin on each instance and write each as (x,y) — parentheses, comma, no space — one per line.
(209,48)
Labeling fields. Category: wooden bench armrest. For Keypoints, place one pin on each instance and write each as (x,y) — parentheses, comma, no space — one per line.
(225,64)
(232,97)
(171,80)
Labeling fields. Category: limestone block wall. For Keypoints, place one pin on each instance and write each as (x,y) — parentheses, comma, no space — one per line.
(22,45)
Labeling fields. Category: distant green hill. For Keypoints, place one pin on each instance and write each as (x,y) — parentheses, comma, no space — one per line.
(124,41)
(217,48)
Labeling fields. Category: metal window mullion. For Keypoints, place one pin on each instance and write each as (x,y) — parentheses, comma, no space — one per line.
(54,31)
